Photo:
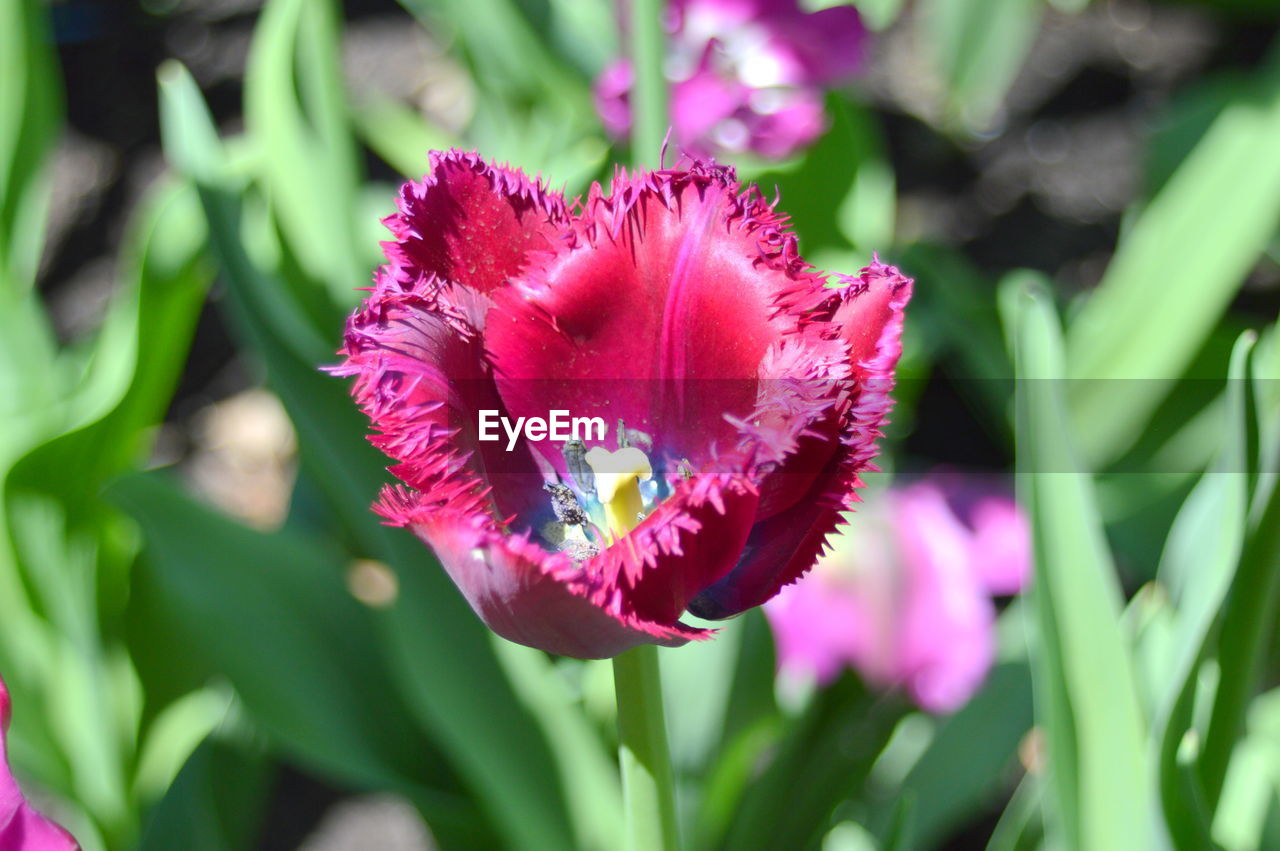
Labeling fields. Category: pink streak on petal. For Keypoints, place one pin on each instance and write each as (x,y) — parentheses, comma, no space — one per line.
(668,296)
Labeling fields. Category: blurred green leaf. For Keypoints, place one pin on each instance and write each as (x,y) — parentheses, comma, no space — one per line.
(30,118)
(173,737)
(1196,569)
(750,727)
(1019,828)
(706,669)
(976,48)
(824,759)
(262,609)
(504,51)
(585,32)
(901,836)
(215,804)
(1175,272)
(1086,690)
(400,135)
(1198,566)
(295,108)
(957,306)
(1252,791)
(1250,612)
(137,357)
(532,109)
(587,770)
(1191,827)
(967,761)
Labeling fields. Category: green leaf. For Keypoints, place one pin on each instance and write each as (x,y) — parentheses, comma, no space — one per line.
(177,731)
(1197,568)
(532,109)
(30,119)
(1252,790)
(976,47)
(400,135)
(824,759)
(1250,612)
(215,804)
(295,108)
(137,357)
(750,727)
(1175,272)
(961,317)
(1087,697)
(706,669)
(69,550)
(262,608)
(1019,827)
(587,770)
(953,778)
(504,51)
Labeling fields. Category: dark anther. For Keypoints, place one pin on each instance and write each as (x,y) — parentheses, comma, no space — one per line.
(565,504)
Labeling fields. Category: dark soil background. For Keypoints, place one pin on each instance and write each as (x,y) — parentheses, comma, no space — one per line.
(1046,192)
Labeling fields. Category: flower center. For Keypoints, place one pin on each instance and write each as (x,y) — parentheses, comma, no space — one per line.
(617,479)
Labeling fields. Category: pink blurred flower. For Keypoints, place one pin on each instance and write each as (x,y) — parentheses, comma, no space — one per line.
(905,595)
(21,827)
(745,74)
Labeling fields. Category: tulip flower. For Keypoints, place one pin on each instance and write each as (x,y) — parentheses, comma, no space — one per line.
(22,828)
(905,595)
(745,75)
(728,396)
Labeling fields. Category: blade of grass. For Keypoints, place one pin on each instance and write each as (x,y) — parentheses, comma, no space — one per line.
(1086,691)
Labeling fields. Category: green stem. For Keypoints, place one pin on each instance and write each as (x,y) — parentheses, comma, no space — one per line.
(649,94)
(647,787)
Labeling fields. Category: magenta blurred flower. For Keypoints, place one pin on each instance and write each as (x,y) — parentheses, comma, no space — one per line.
(905,595)
(746,75)
(21,827)
(747,395)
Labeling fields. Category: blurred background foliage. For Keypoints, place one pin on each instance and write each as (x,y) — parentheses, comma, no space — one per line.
(231,652)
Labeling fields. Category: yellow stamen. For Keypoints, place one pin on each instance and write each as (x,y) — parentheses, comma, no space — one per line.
(618,476)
